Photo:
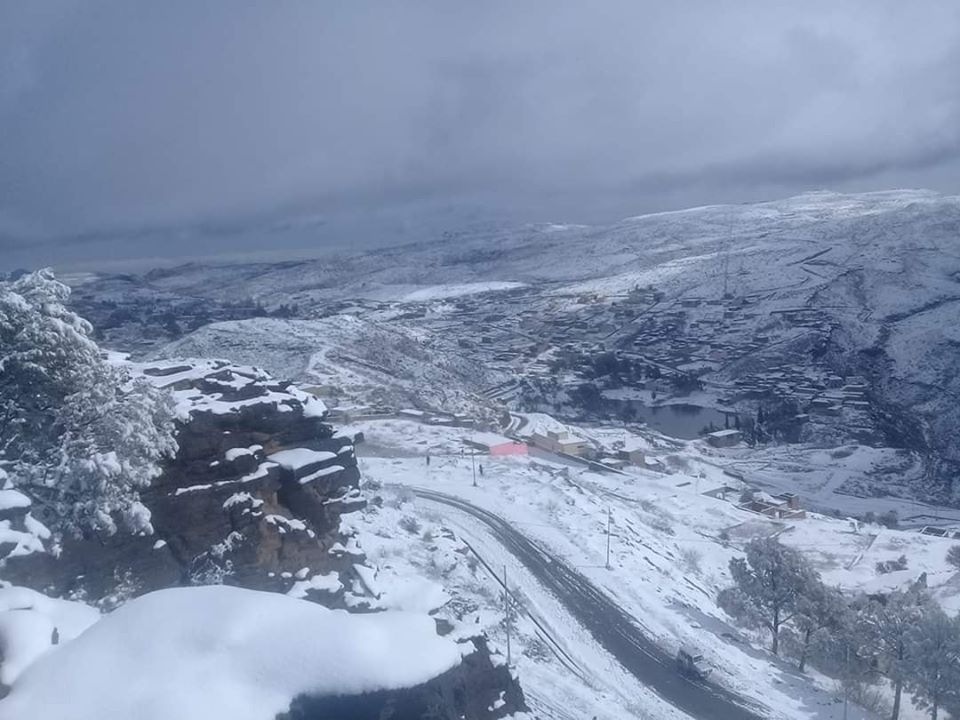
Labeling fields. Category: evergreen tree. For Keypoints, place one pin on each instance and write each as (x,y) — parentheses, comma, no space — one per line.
(953,556)
(886,623)
(769,583)
(821,612)
(932,671)
(78,435)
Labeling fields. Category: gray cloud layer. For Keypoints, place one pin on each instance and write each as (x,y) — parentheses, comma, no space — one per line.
(119,114)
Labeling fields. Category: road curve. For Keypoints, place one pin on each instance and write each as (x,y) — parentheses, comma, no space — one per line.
(609,624)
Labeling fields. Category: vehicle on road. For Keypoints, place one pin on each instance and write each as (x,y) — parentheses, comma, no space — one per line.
(691,663)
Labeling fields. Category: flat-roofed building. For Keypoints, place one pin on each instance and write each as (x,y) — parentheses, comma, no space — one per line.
(494,444)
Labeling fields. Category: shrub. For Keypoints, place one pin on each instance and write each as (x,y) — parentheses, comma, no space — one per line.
(889,519)
(410,524)
(691,558)
(889,566)
(953,556)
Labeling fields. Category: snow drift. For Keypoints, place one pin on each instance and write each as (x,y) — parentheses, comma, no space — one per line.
(217,652)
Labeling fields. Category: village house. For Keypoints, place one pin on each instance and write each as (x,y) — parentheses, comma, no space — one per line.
(559,442)
(724,438)
(411,414)
(634,456)
(322,391)
(493,444)
(785,506)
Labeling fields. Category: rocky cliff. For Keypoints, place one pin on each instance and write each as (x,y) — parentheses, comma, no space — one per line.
(476,689)
(253,498)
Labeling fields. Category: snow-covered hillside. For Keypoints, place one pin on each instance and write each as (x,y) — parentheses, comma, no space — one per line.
(362,362)
(681,249)
(672,536)
(879,272)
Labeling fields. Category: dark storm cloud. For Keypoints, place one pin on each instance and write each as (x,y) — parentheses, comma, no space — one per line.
(125,114)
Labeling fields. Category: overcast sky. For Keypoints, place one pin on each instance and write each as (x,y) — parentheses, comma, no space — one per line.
(119,116)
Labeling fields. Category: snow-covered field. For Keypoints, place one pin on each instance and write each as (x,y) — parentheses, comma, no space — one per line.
(438,292)
(668,561)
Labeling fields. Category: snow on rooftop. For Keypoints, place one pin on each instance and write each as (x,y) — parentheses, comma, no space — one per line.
(723,433)
(224,653)
(488,439)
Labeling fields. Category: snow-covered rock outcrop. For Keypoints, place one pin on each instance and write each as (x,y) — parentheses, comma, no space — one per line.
(230,507)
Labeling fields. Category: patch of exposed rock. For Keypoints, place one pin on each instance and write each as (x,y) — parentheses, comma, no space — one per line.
(476,689)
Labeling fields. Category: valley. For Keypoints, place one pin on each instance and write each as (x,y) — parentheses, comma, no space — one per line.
(817,322)
(557,440)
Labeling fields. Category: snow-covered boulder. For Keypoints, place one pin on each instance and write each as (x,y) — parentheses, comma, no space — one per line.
(223,653)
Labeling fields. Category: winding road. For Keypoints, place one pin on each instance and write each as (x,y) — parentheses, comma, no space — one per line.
(609,624)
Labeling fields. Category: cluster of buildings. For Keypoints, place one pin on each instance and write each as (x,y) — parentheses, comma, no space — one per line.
(785,506)
(820,393)
(560,442)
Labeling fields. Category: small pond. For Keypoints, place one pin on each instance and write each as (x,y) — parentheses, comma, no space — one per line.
(681,420)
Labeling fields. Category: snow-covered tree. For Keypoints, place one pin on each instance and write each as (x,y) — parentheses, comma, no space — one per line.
(953,556)
(79,435)
(932,671)
(885,625)
(769,584)
(821,612)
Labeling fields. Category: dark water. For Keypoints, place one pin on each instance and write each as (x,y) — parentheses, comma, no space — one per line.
(680,421)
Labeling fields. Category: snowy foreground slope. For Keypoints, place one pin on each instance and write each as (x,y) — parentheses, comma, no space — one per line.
(220,653)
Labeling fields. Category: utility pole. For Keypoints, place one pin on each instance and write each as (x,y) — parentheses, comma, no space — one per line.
(473,465)
(506,611)
(846,684)
(609,519)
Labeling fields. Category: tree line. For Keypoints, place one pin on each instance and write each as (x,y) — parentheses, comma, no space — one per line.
(902,636)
